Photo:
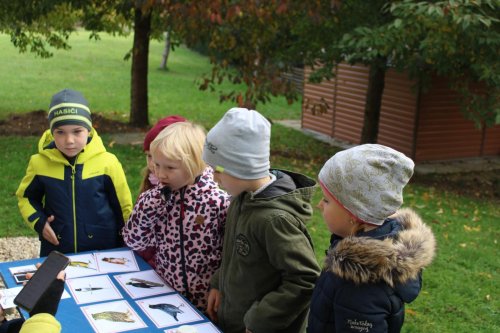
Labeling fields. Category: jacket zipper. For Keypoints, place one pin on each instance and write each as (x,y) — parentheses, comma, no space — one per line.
(183,255)
(73,172)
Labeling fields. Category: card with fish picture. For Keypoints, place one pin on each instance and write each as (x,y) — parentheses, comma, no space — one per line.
(93,289)
(143,284)
(207,327)
(116,261)
(112,317)
(81,265)
(169,310)
(19,273)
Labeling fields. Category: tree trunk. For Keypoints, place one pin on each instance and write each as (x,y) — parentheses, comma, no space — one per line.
(376,83)
(166,51)
(139,85)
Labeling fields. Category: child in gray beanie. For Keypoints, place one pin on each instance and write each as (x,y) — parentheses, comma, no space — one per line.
(268,269)
(377,252)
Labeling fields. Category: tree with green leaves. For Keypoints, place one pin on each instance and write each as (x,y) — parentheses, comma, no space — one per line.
(255,42)
(251,43)
(457,39)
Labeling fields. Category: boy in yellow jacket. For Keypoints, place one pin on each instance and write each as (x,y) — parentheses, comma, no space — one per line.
(74,193)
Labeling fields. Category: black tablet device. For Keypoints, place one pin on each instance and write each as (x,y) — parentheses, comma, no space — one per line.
(41,280)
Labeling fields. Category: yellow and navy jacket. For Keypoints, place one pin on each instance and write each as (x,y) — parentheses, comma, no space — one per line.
(90,199)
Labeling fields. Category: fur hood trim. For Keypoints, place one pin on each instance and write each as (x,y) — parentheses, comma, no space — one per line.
(393,260)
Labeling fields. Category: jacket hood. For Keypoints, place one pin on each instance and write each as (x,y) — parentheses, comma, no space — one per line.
(47,147)
(291,192)
(204,183)
(393,259)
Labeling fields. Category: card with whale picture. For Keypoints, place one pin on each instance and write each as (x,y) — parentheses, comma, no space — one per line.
(169,310)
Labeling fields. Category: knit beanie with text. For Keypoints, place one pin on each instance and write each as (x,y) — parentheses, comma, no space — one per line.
(69,107)
(239,144)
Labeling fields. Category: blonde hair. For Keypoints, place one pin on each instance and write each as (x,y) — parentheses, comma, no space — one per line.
(182,141)
(145,183)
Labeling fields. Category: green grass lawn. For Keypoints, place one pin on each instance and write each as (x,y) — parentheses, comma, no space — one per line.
(98,70)
(461,287)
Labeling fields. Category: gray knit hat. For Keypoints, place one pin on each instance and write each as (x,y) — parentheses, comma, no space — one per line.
(239,144)
(368,180)
(69,107)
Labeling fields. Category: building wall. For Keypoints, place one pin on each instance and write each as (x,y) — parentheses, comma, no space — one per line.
(398,113)
(443,133)
(315,94)
(352,83)
(344,97)
(492,141)
(426,126)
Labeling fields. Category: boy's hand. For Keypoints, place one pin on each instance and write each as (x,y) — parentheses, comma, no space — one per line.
(61,275)
(50,299)
(213,304)
(48,233)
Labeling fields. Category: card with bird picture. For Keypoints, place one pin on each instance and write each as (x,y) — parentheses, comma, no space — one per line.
(143,284)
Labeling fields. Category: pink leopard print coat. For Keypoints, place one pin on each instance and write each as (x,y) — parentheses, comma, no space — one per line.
(186,232)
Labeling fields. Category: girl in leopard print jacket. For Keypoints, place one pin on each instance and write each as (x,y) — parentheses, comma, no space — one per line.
(183,217)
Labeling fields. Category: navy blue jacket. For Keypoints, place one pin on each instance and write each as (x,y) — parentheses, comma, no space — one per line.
(369,277)
(89,199)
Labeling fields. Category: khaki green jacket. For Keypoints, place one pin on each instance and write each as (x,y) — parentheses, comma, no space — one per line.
(268,268)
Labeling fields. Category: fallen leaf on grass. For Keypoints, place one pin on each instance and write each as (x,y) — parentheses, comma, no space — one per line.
(426,196)
(470,229)
(411,312)
(486,275)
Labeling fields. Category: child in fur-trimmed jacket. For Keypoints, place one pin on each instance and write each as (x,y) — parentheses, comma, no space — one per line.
(377,252)
(183,217)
